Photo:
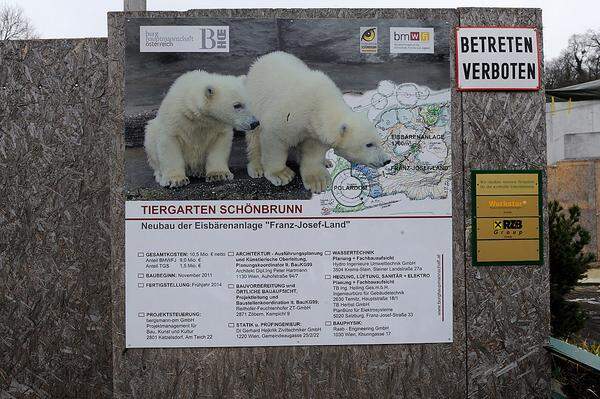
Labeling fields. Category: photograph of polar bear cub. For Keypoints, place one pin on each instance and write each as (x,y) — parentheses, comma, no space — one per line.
(288,109)
(192,133)
(303,108)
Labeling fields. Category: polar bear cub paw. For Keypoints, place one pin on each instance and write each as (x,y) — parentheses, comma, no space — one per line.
(174,181)
(317,182)
(255,170)
(281,178)
(157,176)
(219,175)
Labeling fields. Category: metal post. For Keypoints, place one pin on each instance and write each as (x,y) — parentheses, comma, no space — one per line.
(134,5)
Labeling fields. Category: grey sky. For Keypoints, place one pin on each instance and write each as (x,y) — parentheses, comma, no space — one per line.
(87,18)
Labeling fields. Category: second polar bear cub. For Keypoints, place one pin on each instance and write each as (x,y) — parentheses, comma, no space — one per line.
(193,129)
(300,107)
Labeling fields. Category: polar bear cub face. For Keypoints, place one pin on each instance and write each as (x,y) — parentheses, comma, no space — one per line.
(224,98)
(360,143)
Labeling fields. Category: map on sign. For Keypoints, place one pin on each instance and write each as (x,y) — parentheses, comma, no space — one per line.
(414,123)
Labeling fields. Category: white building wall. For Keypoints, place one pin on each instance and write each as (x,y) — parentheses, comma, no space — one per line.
(573,131)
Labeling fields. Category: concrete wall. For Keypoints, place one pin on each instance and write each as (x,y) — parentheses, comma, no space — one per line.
(578,183)
(573,130)
(582,145)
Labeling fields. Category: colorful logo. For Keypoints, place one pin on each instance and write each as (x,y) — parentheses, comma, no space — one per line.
(369,35)
(411,40)
(508,227)
(368,39)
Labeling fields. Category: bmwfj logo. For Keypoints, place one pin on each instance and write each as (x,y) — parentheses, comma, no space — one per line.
(412,36)
(411,40)
(184,39)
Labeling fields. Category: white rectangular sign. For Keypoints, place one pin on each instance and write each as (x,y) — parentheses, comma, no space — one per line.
(184,39)
(497,58)
(269,273)
(365,259)
(411,40)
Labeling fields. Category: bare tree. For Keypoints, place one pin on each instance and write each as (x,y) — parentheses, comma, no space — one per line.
(14,24)
(579,62)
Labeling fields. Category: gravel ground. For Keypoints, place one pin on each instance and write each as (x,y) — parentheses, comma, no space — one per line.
(135,126)
(140,184)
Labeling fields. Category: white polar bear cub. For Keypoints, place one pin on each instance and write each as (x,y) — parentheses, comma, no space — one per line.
(193,129)
(300,107)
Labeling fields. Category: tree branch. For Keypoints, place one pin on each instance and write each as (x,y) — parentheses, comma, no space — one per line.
(14,24)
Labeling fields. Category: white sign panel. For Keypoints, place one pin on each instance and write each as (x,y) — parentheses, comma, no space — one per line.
(184,39)
(499,58)
(268,273)
(411,40)
(365,259)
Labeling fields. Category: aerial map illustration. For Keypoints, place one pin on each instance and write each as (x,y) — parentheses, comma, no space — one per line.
(414,123)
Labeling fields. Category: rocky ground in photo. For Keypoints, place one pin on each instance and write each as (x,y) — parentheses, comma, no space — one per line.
(140,184)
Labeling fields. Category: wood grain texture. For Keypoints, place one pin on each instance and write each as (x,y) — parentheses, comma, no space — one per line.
(508,310)
(379,371)
(55,307)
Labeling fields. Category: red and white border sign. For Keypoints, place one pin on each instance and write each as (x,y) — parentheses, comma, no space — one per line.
(498,58)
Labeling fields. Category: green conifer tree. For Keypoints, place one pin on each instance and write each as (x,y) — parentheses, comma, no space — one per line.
(568,264)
